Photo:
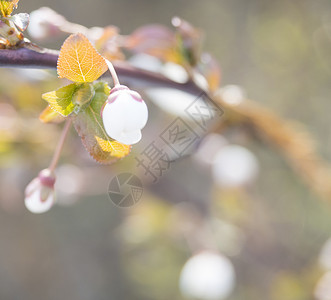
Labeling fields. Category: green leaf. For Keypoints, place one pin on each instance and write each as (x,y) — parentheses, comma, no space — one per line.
(48,115)
(83,96)
(89,125)
(61,99)
(7,6)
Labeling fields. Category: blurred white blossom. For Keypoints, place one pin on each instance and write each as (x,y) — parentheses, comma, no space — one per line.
(45,23)
(200,81)
(146,62)
(325,255)
(323,287)
(207,276)
(69,184)
(172,101)
(234,166)
(209,147)
(232,94)
(175,72)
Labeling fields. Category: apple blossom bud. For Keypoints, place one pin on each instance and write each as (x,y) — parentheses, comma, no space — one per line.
(39,194)
(124,115)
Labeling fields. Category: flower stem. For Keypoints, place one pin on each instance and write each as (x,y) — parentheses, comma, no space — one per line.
(112,72)
(59,146)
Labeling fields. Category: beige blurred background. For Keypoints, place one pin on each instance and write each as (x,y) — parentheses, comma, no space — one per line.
(278,52)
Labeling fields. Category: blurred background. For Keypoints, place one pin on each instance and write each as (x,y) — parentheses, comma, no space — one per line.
(268,228)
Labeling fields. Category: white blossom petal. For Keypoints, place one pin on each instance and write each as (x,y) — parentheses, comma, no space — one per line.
(136,115)
(129,138)
(34,203)
(112,120)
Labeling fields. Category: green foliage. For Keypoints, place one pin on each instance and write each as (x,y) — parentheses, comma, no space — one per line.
(89,125)
(71,98)
(84,101)
(83,96)
(61,99)
(7,6)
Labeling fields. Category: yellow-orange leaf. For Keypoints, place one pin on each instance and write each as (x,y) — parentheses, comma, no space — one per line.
(79,61)
(115,148)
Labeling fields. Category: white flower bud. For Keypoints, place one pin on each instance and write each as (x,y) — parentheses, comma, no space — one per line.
(207,276)
(124,115)
(39,194)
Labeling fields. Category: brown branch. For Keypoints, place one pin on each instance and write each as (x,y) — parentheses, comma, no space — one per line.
(46,58)
(27,58)
(295,145)
(290,138)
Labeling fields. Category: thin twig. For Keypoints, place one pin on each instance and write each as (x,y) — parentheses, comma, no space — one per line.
(112,72)
(60,144)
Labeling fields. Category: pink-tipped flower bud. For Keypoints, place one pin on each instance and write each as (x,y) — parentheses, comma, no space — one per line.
(39,194)
(124,115)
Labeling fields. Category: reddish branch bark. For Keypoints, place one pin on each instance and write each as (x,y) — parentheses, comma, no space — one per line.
(46,58)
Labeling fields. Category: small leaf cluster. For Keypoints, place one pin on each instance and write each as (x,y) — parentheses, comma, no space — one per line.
(83,100)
